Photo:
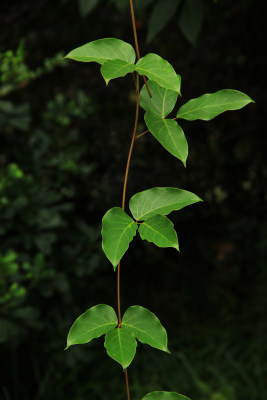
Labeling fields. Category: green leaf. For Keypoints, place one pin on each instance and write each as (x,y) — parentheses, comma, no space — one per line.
(118,230)
(162,101)
(169,134)
(96,321)
(146,327)
(191,19)
(164,396)
(115,69)
(120,344)
(159,70)
(160,231)
(160,200)
(160,16)
(210,105)
(103,50)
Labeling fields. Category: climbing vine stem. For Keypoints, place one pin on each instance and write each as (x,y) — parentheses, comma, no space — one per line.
(123,207)
(136,42)
(117,58)
(137,106)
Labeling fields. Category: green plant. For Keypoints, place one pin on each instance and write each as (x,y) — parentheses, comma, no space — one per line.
(149,207)
(34,213)
(15,73)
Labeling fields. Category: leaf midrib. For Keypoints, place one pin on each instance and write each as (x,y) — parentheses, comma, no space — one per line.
(169,132)
(97,327)
(142,331)
(123,232)
(211,106)
(150,227)
(158,208)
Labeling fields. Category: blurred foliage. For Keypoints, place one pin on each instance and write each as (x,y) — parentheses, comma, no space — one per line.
(64,139)
(37,186)
(15,74)
(190,14)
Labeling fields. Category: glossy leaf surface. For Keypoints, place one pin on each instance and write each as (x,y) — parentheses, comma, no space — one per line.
(169,134)
(121,345)
(146,327)
(164,396)
(210,105)
(162,101)
(160,16)
(103,50)
(159,70)
(96,321)
(115,69)
(160,231)
(160,200)
(191,19)
(118,230)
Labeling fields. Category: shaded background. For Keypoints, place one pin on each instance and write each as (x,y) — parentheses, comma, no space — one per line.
(64,143)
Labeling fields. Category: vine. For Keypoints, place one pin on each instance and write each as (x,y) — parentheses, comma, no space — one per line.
(149,208)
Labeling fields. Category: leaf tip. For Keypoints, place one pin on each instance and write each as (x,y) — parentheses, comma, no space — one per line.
(176,246)
(166,350)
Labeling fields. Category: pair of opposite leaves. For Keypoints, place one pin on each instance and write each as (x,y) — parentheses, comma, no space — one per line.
(151,207)
(118,59)
(120,343)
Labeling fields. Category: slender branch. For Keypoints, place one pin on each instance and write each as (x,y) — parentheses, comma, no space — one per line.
(132,142)
(141,134)
(125,183)
(123,207)
(144,79)
(127,170)
(127,384)
(134,30)
(136,43)
(119,294)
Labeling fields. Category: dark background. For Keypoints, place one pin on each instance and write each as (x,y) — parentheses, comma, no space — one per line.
(64,144)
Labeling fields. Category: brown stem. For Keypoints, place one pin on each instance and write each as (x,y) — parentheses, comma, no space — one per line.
(125,185)
(136,43)
(127,170)
(123,207)
(141,134)
(132,142)
(144,79)
(134,30)
(127,384)
(119,294)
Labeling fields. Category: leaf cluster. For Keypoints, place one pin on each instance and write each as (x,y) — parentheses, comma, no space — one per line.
(120,341)
(150,207)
